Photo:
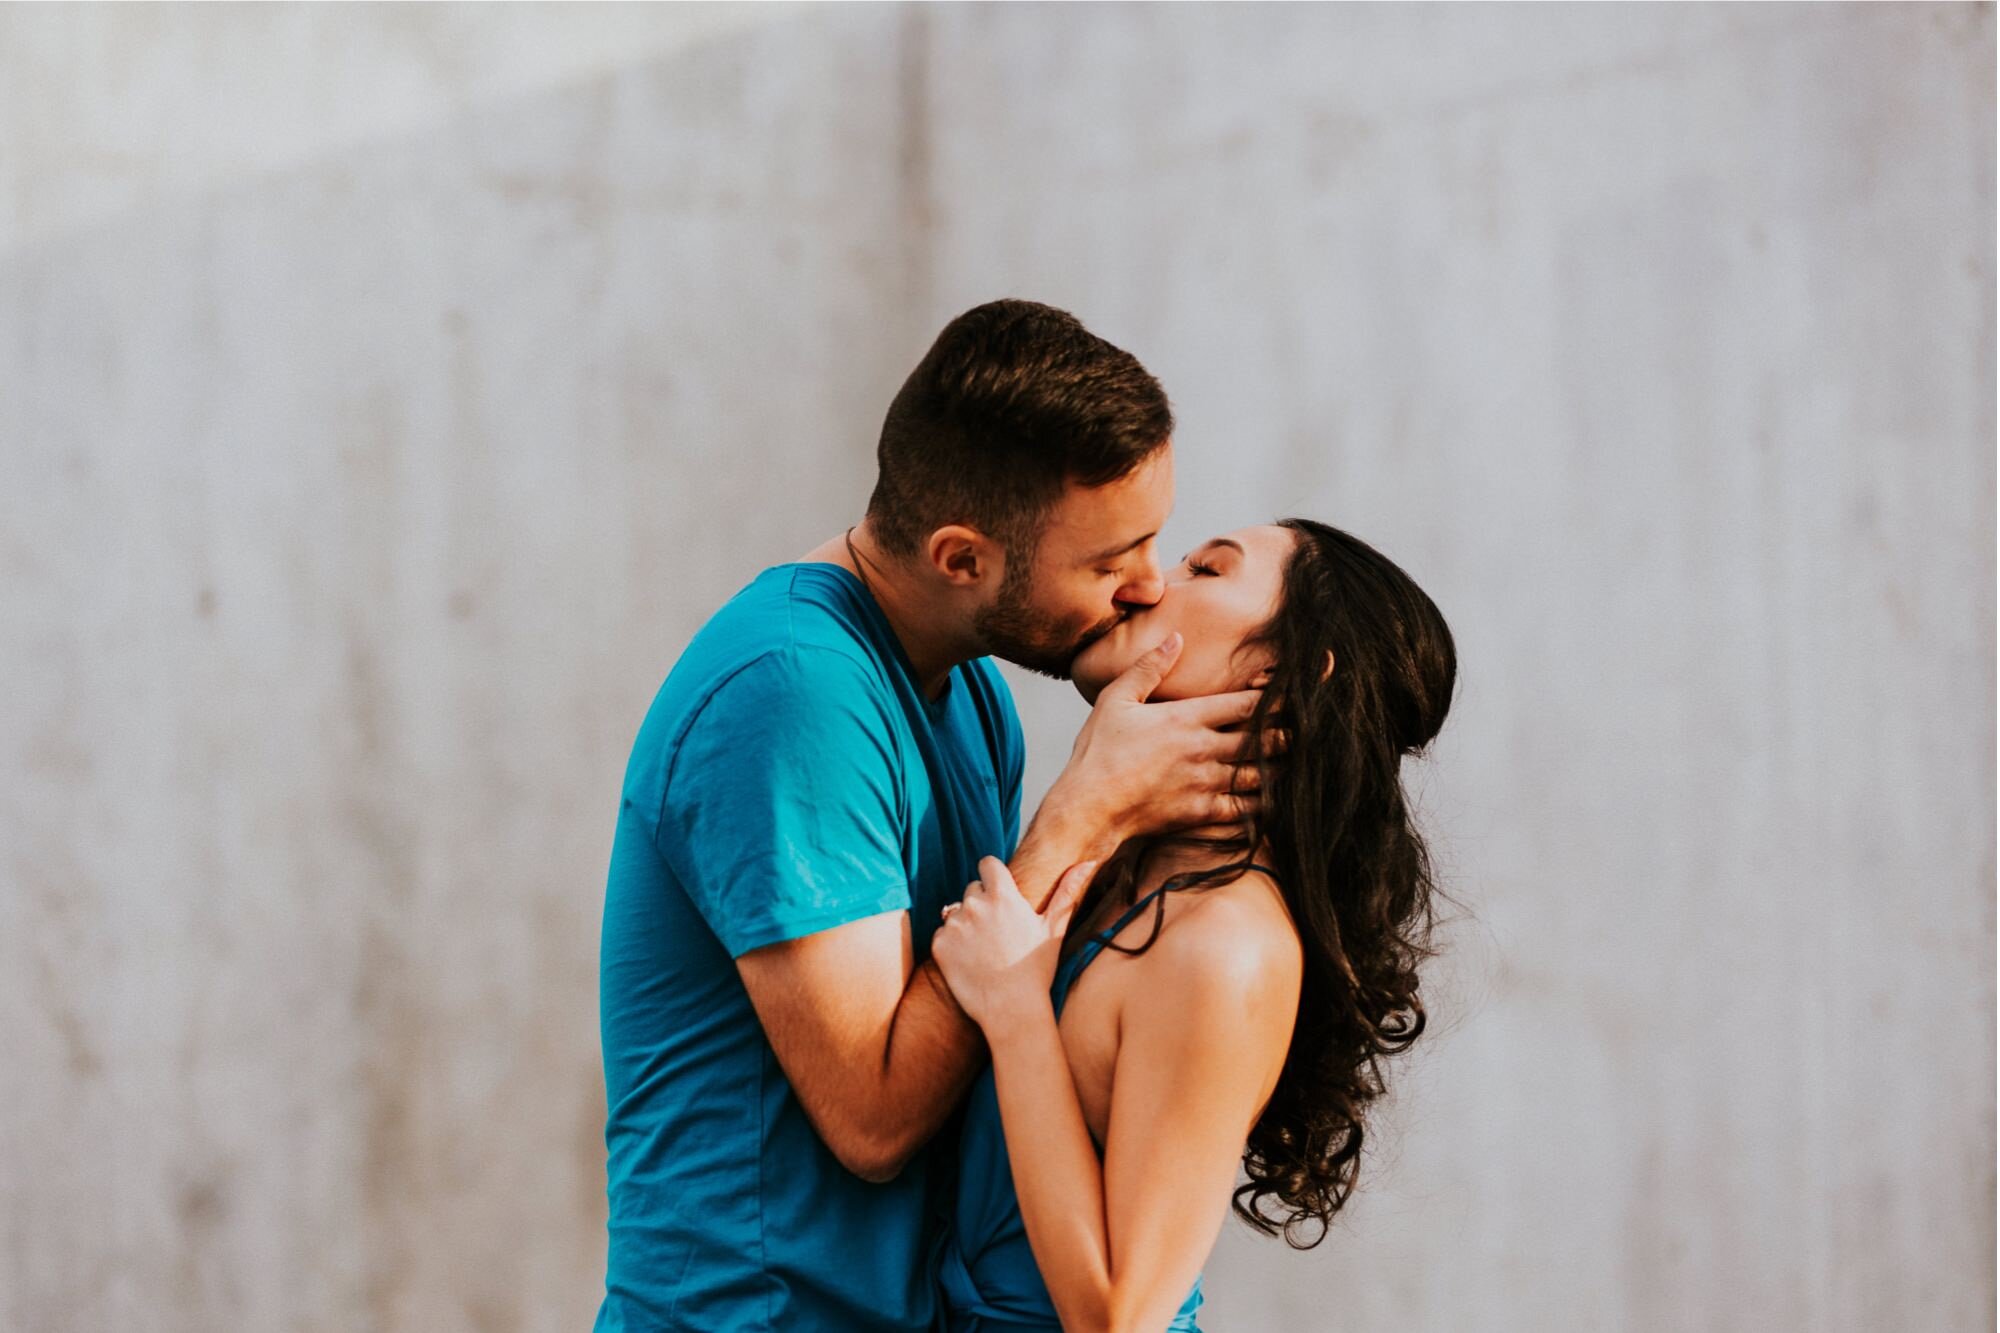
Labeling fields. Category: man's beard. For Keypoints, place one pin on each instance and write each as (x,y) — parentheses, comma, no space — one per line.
(1013,630)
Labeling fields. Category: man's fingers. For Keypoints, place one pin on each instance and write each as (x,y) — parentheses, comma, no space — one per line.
(1234,747)
(1221,710)
(1226,774)
(1240,777)
(1138,681)
(1227,809)
(1228,747)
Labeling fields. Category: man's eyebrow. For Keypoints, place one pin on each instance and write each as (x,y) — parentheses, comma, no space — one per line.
(1132,545)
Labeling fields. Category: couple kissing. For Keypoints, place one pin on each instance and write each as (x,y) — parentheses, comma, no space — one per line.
(879,1058)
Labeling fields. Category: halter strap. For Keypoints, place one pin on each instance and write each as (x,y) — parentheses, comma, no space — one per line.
(1066,975)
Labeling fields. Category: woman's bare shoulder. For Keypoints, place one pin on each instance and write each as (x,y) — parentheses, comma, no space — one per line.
(1236,937)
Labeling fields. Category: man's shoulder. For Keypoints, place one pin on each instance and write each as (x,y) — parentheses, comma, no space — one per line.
(790,621)
(773,666)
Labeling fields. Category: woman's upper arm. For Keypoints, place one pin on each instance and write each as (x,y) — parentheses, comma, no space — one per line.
(1195,1058)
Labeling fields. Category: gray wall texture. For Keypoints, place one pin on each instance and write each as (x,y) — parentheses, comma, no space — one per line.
(387,393)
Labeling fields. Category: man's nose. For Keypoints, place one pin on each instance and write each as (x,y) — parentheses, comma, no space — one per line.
(1143,589)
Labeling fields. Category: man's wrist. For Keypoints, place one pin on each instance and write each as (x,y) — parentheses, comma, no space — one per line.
(1070,820)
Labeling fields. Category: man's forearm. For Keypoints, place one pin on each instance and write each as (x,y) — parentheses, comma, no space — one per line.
(928,1062)
(934,1050)
(1065,830)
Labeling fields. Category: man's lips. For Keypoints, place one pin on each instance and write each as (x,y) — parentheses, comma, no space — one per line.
(1090,640)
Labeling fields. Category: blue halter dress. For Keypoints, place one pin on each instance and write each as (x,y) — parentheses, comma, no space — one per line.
(987,1275)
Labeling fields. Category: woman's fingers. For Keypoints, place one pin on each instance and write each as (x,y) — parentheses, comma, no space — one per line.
(1063,898)
(997,878)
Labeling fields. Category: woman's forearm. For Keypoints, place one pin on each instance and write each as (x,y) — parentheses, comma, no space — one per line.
(1058,1176)
(1118,1238)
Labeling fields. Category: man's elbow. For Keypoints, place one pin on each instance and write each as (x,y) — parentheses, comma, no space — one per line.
(875,1157)
(875,1168)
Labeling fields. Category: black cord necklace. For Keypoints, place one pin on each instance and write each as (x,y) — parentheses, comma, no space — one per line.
(859,572)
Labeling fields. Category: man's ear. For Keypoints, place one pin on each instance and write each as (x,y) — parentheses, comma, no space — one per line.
(963,557)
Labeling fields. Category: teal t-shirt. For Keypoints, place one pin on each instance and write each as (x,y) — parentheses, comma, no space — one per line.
(788,778)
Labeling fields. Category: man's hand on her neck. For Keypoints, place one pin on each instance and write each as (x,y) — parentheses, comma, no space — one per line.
(1139,769)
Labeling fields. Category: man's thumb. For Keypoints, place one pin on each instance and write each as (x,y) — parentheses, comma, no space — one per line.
(1069,890)
(1138,681)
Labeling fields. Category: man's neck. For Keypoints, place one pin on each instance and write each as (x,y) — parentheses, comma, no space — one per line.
(920,624)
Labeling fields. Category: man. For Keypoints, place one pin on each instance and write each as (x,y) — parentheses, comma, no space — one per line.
(819,776)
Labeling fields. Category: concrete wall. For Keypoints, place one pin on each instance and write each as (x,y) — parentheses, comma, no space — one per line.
(387,393)
(368,497)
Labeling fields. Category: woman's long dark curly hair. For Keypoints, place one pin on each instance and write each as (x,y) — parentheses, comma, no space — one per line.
(1353,869)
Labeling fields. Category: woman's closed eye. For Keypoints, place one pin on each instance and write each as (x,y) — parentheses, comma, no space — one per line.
(1197,568)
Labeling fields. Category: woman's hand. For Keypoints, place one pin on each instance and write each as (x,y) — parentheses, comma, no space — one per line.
(997,953)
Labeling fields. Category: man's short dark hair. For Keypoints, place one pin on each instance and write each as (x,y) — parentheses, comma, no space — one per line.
(1013,401)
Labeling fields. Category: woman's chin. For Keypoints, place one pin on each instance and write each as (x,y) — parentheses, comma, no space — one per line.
(1102,663)
(1088,683)
(1093,669)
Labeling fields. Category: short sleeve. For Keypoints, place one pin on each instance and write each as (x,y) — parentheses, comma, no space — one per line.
(782,813)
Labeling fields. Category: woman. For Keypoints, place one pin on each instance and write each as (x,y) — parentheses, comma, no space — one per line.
(1221,997)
